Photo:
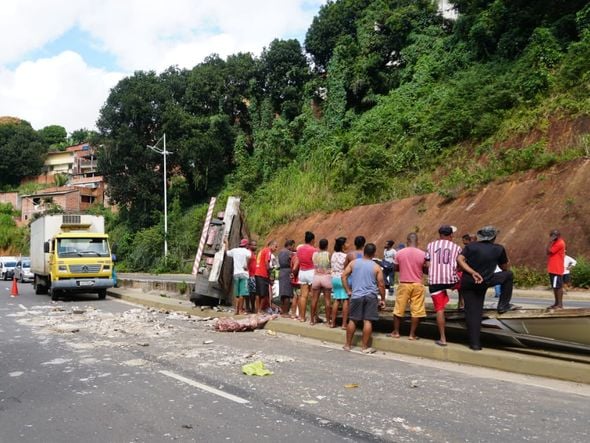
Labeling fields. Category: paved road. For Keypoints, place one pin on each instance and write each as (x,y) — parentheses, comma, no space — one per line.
(96,371)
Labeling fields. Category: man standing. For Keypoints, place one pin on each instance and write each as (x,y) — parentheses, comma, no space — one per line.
(367,285)
(241,256)
(359,245)
(387,265)
(478,261)
(263,276)
(410,262)
(568,264)
(555,266)
(250,301)
(441,259)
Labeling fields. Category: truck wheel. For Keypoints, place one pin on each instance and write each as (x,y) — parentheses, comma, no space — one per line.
(102,294)
(39,287)
(54,294)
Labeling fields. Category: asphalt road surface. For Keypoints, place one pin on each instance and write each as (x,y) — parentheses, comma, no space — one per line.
(84,370)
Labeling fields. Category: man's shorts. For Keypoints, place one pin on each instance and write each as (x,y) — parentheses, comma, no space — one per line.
(412,293)
(306,277)
(262,286)
(556,281)
(364,308)
(567,278)
(439,295)
(241,287)
(322,281)
(252,285)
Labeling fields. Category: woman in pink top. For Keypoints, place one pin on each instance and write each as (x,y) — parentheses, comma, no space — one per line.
(322,281)
(306,271)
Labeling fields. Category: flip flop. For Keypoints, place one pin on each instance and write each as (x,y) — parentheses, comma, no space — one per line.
(440,343)
(392,335)
(413,338)
(368,350)
(346,348)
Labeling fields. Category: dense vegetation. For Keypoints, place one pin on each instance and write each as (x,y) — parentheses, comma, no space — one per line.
(381,97)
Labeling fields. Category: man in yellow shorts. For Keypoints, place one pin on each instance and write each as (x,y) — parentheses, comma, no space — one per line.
(410,262)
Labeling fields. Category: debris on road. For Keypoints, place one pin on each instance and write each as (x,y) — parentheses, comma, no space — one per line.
(351,385)
(256,368)
(250,323)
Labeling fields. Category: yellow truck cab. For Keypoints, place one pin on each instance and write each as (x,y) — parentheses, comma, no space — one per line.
(69,254)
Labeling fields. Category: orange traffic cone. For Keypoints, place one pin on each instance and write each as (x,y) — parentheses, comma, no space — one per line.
(14,290)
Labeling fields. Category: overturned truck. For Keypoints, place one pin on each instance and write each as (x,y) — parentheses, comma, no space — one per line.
(212,269)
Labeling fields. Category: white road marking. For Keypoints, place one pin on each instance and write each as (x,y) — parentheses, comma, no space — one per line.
(22,307)
(206,388)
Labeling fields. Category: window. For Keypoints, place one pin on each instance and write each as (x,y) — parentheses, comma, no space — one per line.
(82,247)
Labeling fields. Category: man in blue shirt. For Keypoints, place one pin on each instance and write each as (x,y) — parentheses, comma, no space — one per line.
(366,279)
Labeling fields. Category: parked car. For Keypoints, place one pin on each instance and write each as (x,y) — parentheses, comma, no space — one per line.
(7,265)
(22,271)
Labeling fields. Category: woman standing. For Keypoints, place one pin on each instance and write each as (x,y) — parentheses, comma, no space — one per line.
(338,292)
(306,270)
(322,281)
(285,287)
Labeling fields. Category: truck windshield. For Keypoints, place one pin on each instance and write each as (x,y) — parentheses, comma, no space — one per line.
(82,247)
(10,264)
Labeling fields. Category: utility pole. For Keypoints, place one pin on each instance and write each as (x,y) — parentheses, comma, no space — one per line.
(164,153)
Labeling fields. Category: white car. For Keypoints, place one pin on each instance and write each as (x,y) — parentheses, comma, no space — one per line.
(22,271)
(7,265)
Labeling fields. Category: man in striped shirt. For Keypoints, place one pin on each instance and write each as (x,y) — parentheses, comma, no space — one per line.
(441,259)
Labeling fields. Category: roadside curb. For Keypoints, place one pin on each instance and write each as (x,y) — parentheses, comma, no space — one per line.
(509,361)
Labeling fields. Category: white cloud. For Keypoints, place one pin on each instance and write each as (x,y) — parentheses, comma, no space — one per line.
(138,34)
(144,33)
(61,90)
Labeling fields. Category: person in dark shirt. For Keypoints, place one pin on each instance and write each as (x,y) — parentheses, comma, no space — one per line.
(478,261)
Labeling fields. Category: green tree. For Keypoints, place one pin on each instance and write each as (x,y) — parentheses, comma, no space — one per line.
(82,135)
(131,119)
(22,152)
(53,135)
(335,20)
(284,71)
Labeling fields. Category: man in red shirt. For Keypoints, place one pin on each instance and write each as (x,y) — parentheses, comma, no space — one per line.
(555,266)
(262,274)
(250,301)
(410,262)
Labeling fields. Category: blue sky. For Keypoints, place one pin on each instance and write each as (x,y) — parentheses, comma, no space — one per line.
(74,39)
(59,59)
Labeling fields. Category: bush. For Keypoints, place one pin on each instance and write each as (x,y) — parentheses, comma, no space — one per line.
(526,277)
(581,273)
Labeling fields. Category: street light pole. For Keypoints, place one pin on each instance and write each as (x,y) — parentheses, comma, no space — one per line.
(164,153)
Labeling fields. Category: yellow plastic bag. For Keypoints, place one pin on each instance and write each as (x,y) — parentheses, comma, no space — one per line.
(256,368)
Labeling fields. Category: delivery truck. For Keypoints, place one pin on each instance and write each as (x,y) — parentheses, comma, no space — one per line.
(70,253)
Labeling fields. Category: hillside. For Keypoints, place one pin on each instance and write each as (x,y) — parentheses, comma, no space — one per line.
(524,208)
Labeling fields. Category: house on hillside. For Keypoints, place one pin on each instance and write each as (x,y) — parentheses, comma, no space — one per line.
(83,187)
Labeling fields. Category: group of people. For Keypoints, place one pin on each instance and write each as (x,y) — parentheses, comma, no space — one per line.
(356,282)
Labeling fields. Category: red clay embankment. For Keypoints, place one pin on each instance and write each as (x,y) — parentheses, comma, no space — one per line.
(524,208)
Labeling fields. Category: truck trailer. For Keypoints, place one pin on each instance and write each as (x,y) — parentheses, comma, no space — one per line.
(70,253)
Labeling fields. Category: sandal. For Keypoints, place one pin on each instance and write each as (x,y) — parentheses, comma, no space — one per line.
(368,350)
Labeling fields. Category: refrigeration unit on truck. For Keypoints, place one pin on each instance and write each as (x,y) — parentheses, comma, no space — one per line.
(70,253)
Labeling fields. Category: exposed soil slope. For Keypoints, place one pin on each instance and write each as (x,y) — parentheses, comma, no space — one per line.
(525,209)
